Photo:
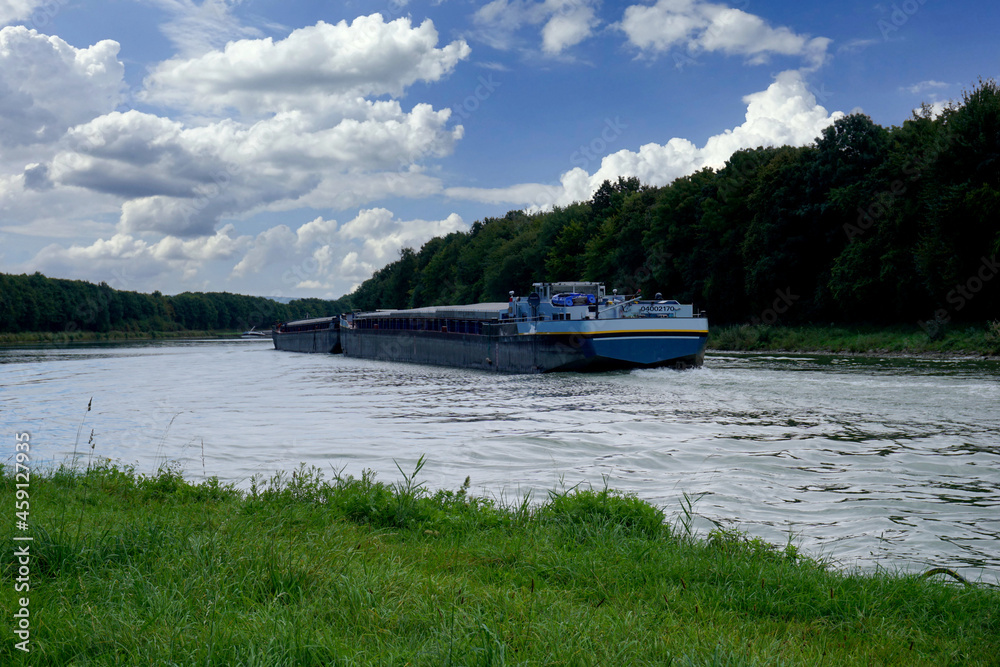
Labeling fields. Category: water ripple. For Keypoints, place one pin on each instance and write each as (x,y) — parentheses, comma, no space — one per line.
(890,462)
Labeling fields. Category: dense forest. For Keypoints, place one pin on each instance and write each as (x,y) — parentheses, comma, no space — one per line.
(869,224)
(37,303)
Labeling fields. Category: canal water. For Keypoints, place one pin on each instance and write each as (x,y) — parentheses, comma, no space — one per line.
(865,462)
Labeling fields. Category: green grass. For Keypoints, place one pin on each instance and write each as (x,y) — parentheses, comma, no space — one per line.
(301,570)
(979,340)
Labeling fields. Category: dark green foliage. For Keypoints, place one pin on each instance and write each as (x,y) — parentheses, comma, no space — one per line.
(606,509)
(37,303)
(868,225)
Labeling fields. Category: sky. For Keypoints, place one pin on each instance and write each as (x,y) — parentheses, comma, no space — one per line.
(286,148)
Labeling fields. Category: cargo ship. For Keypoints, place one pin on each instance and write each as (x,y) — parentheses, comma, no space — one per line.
(573,326)
(319,334)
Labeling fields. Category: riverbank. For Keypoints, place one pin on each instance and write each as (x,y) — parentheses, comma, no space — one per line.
(126,568)
(67,337)
(977,341)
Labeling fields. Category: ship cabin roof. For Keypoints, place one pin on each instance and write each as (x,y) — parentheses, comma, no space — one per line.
(547,290)
(472,311)
(314,320)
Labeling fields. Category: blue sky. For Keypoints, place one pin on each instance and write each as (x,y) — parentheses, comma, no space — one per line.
(293,148)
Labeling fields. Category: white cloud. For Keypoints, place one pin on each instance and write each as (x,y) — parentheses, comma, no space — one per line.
(925,86)
(47,86)
(565,23)
(315,124)
(929,97)
(571,23)
(696,26)
(319,69)
(322,254)
(785,113)
(130,263)
(195,29)
(18,10)
(307,136)
(857,45)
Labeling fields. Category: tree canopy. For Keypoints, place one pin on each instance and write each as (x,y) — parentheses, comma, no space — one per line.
(37,303)
(873,224)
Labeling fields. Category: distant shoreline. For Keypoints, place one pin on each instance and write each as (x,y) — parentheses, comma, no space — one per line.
(973,341)
(66,338)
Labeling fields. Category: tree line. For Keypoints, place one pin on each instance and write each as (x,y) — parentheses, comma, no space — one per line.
(873,224)
(36,303)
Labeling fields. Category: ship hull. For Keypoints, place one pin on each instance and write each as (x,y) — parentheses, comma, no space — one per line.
(540,347)
(325,341)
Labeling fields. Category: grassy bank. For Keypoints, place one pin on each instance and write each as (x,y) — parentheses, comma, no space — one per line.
(132,569)
(979,340)
(66,337)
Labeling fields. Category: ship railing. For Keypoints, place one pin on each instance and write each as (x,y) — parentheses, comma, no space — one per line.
(618,304)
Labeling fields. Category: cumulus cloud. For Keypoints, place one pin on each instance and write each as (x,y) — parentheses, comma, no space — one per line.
(696,26)
(18,10)
(180,181)
(785,113)
(39,73)
(323,254)
(322,68)
(132,263)
(564,23)
(304,132)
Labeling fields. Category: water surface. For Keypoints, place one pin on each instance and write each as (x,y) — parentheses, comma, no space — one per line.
(866,462)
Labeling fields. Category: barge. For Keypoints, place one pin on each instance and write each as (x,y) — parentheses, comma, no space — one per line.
(558,327)
(319,334)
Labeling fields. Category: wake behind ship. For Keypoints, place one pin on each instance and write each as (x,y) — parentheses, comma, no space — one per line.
(558,327)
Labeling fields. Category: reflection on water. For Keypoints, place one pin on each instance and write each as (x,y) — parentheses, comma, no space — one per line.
(864,461)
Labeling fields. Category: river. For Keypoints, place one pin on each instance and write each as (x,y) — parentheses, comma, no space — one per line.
(865,462)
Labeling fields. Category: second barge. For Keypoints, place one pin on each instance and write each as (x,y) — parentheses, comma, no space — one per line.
(320,334)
